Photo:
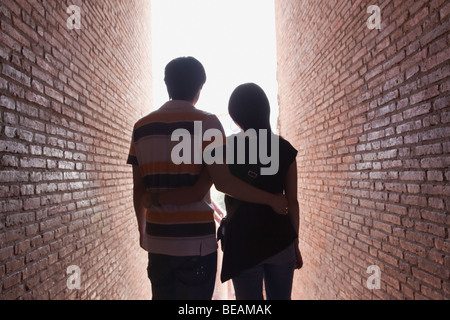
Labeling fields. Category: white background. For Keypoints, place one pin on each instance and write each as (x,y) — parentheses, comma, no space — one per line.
(233,39)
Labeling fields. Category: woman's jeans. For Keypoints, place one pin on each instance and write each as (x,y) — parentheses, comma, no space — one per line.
(277,273)
(182,278)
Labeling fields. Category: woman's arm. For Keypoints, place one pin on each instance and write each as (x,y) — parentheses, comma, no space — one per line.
(291,195)
(294,212)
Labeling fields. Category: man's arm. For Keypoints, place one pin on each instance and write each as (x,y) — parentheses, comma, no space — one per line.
(224,182)
(140,210)
(227,183)
(236,188)
(183,195)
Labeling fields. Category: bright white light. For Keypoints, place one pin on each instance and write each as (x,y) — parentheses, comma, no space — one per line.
(233,39)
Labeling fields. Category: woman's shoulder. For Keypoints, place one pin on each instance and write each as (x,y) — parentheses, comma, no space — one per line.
(286,145)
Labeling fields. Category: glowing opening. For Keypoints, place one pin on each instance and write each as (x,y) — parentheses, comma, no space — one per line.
(234,40)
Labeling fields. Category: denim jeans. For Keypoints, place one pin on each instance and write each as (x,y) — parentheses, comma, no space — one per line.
(277,272)
(182,278)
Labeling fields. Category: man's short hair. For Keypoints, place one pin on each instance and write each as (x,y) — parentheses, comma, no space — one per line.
(184,77)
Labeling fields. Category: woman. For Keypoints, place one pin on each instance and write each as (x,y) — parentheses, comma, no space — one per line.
(259,244)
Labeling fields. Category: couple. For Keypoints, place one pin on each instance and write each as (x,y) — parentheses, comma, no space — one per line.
(173,205)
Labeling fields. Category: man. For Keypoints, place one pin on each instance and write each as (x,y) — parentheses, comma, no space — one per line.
(181,238)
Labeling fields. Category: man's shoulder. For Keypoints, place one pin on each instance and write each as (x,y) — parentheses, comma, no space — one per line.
(145,119)
(201,113)
(188,114)
(209,120)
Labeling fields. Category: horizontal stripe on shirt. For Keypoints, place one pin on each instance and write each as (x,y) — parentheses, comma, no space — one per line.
(185,247)
(180,217)
(152,149)
(164,116)
(181,230)
(161,129)
(170,181)
(170,167)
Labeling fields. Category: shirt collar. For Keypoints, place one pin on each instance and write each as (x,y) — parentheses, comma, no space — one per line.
(176,104)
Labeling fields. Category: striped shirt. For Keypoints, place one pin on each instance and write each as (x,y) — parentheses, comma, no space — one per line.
(177,230)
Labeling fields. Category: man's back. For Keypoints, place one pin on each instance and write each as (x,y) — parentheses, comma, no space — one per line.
(177,230)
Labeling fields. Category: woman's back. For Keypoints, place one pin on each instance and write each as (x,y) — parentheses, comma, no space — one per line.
(255,232)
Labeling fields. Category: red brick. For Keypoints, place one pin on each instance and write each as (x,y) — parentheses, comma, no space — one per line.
(395,174)
(7,102)
(412,175)
(59,115)
(444,11)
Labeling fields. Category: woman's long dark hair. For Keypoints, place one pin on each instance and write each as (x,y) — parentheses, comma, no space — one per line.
(249,107)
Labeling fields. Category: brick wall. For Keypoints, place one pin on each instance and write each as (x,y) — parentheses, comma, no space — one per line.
(68,101)
(369,113)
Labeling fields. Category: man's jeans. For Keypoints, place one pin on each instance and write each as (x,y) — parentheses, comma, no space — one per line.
(182,278)
(277,272)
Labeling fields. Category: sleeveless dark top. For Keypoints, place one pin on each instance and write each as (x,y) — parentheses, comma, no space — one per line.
(255,232)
